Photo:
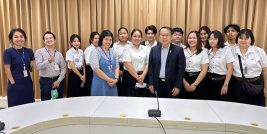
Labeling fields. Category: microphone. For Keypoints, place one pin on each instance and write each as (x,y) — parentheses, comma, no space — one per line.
(2,126)
(155,112)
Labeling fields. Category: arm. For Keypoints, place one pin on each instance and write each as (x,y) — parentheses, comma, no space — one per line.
(75,70)
(181,70)
(130,69)
(264,73)
(151,71)
(228,77)
(40,64)
(204,69)
(101,74)
(144,72)
(62,67)
(8,73)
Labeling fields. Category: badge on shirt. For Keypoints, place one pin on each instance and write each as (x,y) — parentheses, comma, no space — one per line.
(56,67)
(25,73)
(76,60)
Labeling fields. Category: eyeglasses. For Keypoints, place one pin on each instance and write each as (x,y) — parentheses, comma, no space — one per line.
(214,39)
(177,34)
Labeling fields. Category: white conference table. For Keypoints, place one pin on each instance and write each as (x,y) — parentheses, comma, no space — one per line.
(94,115)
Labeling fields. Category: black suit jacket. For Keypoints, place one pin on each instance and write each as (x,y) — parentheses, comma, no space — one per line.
(174,69)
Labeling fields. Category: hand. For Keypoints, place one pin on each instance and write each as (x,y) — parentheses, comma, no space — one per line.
(139,79)
(112,82)
(51,58)
(120,73)
(83,78)
(56,84)
(265,91)
(186,85)
(175,91)
(192,87)
(224,90)
(151,88)
(12,82)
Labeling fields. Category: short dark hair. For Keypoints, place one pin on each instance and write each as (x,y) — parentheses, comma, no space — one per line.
(48,32)
(216,34)
(248,33)
(199,45)
(123,28)
(177,29)
(93,34)
(165,27)
(236,27)
(151,27)
(103,35)
(205,28)
(136,30)
(11,33)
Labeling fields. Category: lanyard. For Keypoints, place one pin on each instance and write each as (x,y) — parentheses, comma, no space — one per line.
(190,56)
(49,52)
(109,58)
(21,57)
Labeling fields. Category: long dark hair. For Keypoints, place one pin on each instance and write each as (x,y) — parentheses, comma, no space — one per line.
(199,45)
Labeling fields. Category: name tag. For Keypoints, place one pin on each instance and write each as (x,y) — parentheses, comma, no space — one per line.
(25,73)
(56,67)
(76,60)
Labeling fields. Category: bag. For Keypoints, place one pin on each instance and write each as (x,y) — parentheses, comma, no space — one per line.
(248,87)
(54,94)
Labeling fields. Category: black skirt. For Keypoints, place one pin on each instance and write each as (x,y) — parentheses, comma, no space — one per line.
(200,91)
(214,88)
(120,82)
(74,82)
(238,95)
(128,86)
(89,78)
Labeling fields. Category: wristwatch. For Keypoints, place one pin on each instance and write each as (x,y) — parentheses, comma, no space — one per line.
(195,84)
(117,79)
(225,84)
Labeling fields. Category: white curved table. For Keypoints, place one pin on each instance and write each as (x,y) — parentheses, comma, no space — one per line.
(101,114)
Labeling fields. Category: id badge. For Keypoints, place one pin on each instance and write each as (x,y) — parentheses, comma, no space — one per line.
(25,73)
(56,67)
(110,68)
(76,60)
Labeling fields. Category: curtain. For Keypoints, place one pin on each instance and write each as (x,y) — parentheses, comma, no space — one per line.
(67,17)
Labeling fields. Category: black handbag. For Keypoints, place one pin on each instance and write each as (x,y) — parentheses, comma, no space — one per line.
(248,87)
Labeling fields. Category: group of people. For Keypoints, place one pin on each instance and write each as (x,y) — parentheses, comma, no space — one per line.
(205,67)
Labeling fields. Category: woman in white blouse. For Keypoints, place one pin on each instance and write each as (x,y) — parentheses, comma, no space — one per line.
(204,32)
(75,59)
(118,47)
(135,59)
(94,38)
(220,67)
(196,68)
(254,63)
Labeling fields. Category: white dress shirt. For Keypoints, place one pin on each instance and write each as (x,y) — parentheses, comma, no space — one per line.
(138,58)
(218,62)
(76,57)
(118,48)
(193,61)
(183,46)
(227,45)
(87,53)
(149,46)
(253,61)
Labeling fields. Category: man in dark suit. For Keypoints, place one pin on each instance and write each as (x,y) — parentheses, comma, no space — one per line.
(166,66)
